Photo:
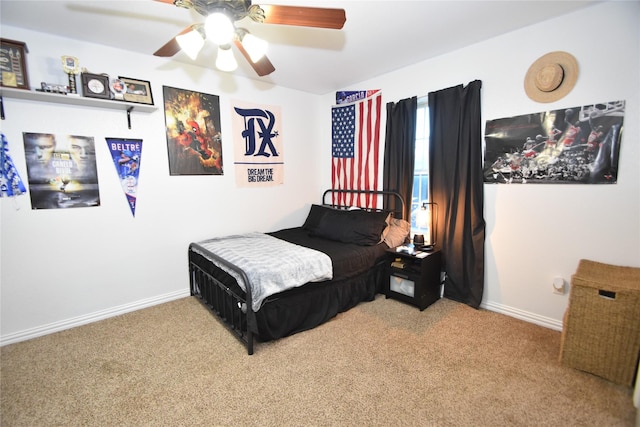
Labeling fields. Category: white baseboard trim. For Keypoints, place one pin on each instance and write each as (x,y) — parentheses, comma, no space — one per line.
(547,322)
(138,305)
(39,331)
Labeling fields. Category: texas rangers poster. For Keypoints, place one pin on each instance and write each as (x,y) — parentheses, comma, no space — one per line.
(258,145)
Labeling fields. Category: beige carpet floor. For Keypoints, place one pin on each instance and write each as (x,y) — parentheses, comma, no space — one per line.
(382,363)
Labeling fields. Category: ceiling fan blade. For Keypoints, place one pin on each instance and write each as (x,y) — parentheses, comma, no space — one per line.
(263,67)
(304,16)
(171,47)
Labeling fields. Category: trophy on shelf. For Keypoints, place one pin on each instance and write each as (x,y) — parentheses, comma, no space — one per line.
(71,66)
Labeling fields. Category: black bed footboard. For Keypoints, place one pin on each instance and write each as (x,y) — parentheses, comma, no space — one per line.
(227,304)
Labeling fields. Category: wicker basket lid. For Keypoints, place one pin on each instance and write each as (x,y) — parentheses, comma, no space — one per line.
(597,274)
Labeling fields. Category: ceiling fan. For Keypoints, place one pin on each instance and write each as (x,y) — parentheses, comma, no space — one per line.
(220,27)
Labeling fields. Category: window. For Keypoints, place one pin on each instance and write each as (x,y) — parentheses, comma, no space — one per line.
(420,192)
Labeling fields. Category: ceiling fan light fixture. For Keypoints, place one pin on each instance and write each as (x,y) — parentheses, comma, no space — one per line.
(219,28)
(225,60)
(255,47)
(191,43)
(222,16)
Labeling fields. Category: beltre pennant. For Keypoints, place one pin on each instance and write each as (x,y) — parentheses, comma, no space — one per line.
(126,154)
(10,182)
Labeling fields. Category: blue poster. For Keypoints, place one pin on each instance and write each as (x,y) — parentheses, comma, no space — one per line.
(126,155)
(10,181)
(349,96)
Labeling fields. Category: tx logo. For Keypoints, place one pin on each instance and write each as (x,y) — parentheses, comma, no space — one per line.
(258,124)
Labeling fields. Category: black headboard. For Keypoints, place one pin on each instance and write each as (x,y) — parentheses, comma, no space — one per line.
(387,200)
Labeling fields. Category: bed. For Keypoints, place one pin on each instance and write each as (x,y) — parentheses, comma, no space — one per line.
(334,261)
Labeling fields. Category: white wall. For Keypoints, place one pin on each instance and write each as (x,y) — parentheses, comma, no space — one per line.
(70,266)
(536,232)
(64,267)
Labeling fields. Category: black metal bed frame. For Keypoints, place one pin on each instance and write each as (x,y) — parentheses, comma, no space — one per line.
(230,306)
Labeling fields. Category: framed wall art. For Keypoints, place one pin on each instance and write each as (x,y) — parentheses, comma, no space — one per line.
(13,56)
(138,91)
(95,86)
(194,141)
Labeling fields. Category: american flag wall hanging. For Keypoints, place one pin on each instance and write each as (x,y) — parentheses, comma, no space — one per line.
(355,149)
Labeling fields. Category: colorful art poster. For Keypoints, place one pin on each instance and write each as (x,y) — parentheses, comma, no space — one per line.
(126,154)
(194,141)
(579,145)
(349,96)
(258,145)
(61,170)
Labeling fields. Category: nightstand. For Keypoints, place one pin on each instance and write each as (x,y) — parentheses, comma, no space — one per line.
(414,279)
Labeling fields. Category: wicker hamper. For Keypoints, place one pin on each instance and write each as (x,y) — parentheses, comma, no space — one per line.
(601,330)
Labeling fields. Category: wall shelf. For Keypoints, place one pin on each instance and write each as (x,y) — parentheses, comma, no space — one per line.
(56,98)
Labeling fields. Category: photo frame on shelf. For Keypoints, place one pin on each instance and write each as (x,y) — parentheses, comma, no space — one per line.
(118,88)
(13,56)
(95,86)
(138,91)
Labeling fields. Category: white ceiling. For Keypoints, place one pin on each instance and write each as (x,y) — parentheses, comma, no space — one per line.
(378,36)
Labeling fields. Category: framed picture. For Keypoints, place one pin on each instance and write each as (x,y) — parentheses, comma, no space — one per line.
(118,88)
(194,139)
(13,57)
(95,86)
(137,91)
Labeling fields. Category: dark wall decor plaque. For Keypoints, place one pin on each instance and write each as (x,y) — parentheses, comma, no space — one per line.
(13,63)
(95,86)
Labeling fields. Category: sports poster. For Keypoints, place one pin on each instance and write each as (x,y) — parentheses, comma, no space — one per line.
(578,145)
(258,145)
(61,170)
(126,154)
(194,141)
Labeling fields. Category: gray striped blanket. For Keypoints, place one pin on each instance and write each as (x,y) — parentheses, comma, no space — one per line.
(272,265)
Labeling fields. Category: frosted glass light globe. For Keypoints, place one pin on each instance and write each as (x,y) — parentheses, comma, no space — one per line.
(219,28)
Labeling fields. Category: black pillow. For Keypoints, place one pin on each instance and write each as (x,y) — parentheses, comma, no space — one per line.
(315,214)
(358,226)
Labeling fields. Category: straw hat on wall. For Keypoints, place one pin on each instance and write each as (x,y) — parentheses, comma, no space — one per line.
(551,77)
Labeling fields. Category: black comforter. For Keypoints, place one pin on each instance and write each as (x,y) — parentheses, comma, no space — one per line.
(347,259)
(358,274)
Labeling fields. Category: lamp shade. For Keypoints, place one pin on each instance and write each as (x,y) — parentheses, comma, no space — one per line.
(255,47)
(225,60)
(191,43)
(422,217)
(427,219)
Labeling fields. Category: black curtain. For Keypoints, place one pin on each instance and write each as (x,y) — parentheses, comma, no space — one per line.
(399,150)
(455,171)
